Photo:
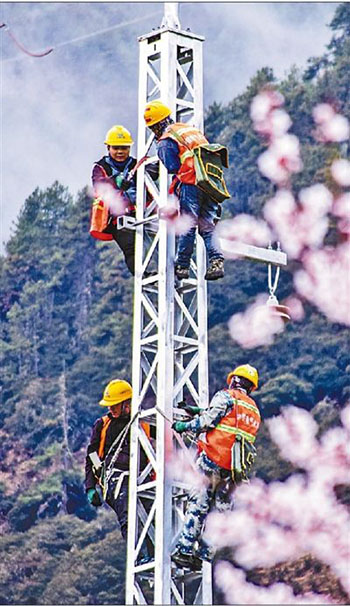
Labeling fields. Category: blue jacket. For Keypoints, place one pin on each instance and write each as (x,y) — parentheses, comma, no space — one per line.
(168,154)
(113,169)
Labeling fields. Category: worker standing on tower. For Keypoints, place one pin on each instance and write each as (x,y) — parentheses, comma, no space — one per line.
(175,142)
(226,453)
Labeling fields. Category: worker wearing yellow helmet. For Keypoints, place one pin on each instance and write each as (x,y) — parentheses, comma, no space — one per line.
(114,185)
(106,432)
(228,428)
(175,142)
(107,457)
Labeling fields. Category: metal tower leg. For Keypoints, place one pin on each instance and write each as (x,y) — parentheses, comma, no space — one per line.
(169,334)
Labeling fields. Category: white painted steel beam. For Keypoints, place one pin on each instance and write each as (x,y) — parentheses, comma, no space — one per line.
(232,249)
(170,349)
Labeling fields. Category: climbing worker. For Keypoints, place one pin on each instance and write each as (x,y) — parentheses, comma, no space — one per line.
(114,183)
(226,453)
(107,457)
(175,142)
(110,433)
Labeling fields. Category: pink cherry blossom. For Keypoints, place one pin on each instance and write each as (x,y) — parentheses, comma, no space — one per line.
(331,127)
(264,103)
(296,309)
(243,228)
(294,433)
(325,281)
(341,209)
(345,417)
(257,325)
(285,520)
(114,200)
(178,223)
(316,200)
(237,590)
(276,124)
(299,225)
(341,206)
(322,113)
(340,170)
(281,159)
(181,468)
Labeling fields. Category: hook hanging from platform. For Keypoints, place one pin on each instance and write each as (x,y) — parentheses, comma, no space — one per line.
(279,310)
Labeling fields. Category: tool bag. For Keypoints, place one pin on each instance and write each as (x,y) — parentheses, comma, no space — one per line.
(99,220)
(209,160)
(243,454)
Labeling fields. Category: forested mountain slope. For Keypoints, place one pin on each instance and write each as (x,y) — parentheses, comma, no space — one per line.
(66,329)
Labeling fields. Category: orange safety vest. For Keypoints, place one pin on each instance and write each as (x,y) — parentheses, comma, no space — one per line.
(101,449)
(106,422)
(187,138)
(243,420)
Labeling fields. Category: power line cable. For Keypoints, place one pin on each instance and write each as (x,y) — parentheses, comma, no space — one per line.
(72,40)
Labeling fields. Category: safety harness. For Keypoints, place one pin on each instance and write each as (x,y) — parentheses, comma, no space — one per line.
(104,472)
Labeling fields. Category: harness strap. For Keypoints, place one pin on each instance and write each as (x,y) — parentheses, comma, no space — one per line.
(109,471)
(119,483)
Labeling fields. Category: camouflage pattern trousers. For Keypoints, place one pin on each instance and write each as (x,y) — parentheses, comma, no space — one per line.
(216,494)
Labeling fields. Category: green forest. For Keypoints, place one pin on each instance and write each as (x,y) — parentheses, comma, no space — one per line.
(66,329)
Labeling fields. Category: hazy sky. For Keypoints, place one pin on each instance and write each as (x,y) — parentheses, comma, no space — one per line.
(56,110)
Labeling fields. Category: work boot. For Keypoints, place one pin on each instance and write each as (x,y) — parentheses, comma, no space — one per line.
(185,560)
(196,563)
(204,553)
(182,273)
(215,270)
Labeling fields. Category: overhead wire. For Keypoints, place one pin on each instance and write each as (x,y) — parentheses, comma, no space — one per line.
(21,47)
(72,40)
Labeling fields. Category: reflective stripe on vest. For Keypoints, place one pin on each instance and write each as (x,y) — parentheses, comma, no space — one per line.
(187,138)
(235,430)
(101,449)
(242,420)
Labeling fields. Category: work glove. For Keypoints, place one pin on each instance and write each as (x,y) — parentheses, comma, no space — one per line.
(180,426)
(93,497)
(122,183)
(192,410)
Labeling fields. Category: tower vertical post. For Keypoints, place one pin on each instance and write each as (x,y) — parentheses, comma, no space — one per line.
(170,349)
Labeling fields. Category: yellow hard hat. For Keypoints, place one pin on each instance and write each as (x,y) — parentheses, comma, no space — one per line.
(118,135)
(247,371)
(116,391)
(155,111)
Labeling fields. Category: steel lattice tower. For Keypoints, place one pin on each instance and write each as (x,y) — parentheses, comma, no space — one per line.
(170,348)
(170,327)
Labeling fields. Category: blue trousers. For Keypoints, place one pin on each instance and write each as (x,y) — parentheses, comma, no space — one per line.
(203,212)
(215,495)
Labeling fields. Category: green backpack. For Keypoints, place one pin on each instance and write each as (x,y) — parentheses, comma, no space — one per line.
(209,161)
